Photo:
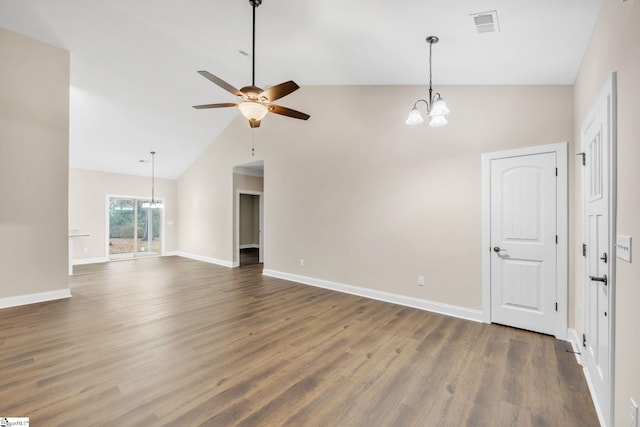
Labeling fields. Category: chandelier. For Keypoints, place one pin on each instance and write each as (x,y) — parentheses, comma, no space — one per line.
(153,204)
(436,107)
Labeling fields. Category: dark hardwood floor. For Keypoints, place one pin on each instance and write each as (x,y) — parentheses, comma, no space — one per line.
(249,256)
(175,342)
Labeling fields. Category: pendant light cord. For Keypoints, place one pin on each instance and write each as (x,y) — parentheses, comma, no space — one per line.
(153,176)
(430,74)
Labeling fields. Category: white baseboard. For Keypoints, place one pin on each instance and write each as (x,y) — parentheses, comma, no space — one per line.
(84,261)
(209,260)
(594,397)
(34,298)
(250,246)
(576,344)
(436,307)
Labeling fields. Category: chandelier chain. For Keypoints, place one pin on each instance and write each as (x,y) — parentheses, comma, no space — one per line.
(430,103)
(430,46)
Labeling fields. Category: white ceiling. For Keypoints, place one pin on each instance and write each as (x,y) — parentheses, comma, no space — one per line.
(134,62)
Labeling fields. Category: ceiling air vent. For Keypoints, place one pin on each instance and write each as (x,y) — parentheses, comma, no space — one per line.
(486,22)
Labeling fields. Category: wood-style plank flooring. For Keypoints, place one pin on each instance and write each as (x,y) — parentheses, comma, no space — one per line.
(249,256)
(175,342)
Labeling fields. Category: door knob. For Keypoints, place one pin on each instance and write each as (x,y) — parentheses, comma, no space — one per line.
(498,249)
(602,279)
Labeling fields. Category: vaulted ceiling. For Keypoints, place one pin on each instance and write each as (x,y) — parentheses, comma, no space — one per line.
(134,63)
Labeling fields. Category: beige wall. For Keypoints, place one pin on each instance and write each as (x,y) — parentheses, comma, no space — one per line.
(365,199)
(248,182)
(34,161)
(614,47)
(88,191)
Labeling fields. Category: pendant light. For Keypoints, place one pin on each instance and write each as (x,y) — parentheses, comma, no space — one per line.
(436,107)
(153,204)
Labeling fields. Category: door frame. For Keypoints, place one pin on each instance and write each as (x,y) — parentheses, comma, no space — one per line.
(607,94)
(260,195)
(560,149)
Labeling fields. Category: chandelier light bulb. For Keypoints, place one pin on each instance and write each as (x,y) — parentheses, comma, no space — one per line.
(437,121)
(415,118)
(152,205)
(439,108)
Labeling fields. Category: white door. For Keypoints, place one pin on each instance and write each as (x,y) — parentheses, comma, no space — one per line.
(523,242)
(596,145)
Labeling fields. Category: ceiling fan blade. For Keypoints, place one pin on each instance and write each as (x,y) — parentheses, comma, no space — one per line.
(254,123)
(221,105)
(284,111)
(224,85)
(278,91)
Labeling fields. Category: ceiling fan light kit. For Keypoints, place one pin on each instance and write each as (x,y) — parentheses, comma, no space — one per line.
(256,103)
(436,107)
(253,111)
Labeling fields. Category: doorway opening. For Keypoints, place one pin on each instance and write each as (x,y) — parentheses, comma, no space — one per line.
(134,231)
(248,185)
(249,229)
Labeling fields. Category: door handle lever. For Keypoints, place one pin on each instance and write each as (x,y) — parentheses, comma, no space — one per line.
(602,279)
(498,249)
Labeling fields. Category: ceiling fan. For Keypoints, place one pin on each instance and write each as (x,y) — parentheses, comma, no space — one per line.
(256,103)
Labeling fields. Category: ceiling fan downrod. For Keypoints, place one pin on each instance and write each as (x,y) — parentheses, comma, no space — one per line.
(254,4)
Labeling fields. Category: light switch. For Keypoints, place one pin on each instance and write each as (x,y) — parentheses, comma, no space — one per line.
(623,247)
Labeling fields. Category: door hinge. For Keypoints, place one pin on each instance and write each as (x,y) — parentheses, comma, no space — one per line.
(556,239)
(584,158)
(584,340)
(584,250)
(556,306)
(556,171)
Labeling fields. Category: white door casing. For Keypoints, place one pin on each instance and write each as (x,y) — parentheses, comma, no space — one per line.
(598,196)
(260,227)
(524,264)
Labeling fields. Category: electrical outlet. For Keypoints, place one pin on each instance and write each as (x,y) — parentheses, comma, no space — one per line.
(420,280)
(634,413)
(301,262)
